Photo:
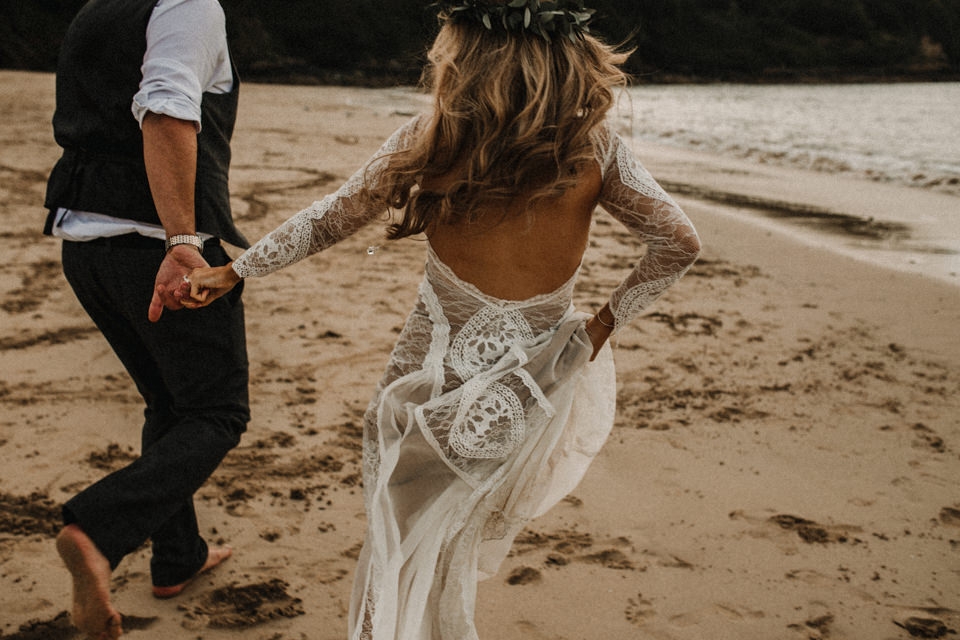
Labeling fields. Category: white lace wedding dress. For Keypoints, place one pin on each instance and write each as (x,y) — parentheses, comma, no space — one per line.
(489,411)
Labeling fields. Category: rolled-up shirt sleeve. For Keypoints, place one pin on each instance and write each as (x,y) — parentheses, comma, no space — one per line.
(186,56)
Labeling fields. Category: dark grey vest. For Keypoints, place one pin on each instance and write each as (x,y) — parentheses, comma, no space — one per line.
(102,169)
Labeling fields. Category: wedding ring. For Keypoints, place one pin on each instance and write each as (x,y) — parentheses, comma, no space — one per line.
(186,279)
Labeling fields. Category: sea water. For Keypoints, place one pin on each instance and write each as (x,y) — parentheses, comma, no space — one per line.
(902,133)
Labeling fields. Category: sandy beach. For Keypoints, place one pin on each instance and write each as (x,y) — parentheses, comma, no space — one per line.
(785,463)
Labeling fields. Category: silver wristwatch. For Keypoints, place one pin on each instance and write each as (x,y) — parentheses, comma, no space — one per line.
(185,238)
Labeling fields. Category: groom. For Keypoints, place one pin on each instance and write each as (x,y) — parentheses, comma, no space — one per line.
(146,104)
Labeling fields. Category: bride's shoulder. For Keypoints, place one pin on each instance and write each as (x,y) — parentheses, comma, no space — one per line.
(605,140)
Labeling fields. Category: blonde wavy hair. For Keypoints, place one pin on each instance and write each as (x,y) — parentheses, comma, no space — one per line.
(512,118)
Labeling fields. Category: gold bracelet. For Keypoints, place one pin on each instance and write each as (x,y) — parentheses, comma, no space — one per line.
(608,326)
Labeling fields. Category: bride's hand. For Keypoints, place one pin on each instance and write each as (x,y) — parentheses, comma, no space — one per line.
(599,329)
(209,283)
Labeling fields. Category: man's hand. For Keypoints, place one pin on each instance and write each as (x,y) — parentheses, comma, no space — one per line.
(170,288)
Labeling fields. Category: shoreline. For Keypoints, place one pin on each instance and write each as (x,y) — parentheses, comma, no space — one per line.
(394,76)
(848,215)
(783,463)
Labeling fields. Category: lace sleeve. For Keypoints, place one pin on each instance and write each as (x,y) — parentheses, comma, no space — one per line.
(325,222)
(633,197)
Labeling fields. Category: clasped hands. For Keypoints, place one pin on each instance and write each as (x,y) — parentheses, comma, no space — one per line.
(186,281)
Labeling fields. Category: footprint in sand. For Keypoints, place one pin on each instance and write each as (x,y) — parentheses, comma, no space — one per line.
(29,515)
(611,559)
(919,627)
(815,628)
(57,628)
(810,531)
(60,628)
(729,611)
(950,516)
(927,438)
(639,610)
(566,546)
(807,530)
(524,575)
(531,631)
(238,607)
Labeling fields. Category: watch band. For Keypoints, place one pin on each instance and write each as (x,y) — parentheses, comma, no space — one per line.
(185,238)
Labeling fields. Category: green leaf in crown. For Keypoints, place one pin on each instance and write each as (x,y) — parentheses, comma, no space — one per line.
(565,18)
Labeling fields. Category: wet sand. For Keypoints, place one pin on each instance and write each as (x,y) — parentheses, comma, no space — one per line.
(784,463)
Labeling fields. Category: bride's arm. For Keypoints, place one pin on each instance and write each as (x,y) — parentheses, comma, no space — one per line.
(325,222)
(319,226)
(632,196)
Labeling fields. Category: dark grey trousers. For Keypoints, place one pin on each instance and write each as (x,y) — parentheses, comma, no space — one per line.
(191,369)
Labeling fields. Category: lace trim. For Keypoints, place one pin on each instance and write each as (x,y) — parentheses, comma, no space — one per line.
(439,336)
(636,177)
(491,427)
(486,338)
(639,298)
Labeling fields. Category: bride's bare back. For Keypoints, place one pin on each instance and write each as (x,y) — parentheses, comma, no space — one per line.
(524,253)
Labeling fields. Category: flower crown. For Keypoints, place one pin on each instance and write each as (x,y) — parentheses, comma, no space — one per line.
(564,18)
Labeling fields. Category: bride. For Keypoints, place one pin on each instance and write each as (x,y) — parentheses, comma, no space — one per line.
(498,393)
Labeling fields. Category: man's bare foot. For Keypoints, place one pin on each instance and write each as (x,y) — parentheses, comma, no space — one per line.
(92,612)
(215,555)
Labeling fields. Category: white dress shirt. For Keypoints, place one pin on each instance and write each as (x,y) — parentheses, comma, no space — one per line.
(186,57)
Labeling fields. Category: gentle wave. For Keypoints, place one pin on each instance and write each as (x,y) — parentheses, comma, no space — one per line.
(900,133)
